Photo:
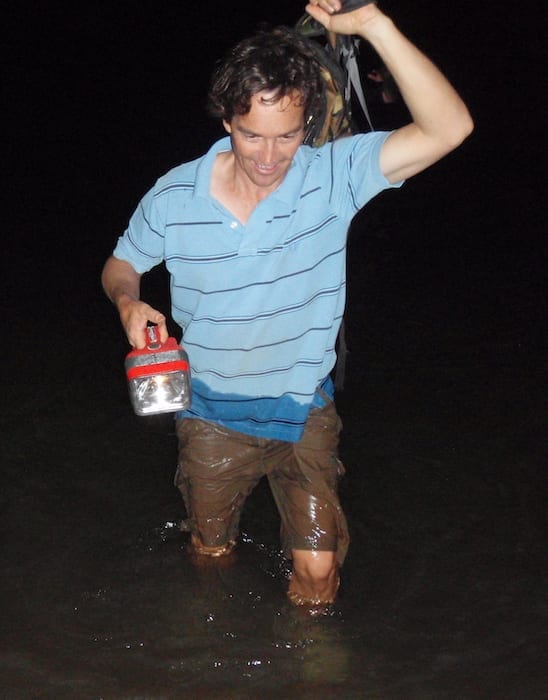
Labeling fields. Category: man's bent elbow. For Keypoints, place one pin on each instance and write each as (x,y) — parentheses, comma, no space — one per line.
(461,130)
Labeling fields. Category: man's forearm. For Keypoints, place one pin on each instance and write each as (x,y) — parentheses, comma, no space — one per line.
(120,282)
(435,106)
(122,286)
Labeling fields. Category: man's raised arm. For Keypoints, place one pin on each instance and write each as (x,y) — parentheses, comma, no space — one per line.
(440,119)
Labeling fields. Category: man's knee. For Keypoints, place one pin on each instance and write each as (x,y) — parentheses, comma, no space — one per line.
(313,565)
(315,578)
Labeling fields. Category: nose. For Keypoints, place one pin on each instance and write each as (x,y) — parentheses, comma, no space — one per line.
(268,151)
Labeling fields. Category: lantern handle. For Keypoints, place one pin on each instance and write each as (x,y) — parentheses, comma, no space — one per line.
(152,338)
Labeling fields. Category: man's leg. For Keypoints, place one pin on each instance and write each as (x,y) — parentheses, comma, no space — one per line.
(314,532)
(217,470)
(315,578)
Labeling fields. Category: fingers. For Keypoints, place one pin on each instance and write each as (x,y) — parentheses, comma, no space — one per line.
(334,16)
(162,329)
(330,6)
(351,5)
(321,10)
(340,6)
(135,316)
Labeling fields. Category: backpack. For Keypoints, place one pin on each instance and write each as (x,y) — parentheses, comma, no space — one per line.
(338,62)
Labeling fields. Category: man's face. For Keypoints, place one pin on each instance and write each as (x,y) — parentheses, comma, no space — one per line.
(265,139)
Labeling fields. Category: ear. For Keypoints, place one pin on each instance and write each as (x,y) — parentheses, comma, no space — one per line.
(227,126)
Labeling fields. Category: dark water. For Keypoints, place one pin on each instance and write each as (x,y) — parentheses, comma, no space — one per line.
(444,411)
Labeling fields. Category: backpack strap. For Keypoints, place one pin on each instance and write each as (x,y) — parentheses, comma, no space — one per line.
(338,60)
(348,57)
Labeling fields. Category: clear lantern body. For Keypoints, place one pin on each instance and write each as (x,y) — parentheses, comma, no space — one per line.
(159,393)
(158,377)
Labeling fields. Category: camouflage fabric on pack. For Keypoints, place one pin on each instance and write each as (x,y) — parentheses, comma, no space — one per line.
(337,59)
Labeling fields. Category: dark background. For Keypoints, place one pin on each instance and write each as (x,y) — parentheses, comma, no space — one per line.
(444,405)
(101,99)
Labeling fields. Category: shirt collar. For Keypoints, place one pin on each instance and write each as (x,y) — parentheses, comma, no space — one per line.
(287,191)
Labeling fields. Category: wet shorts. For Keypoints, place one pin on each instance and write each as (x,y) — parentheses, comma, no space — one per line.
(218,468)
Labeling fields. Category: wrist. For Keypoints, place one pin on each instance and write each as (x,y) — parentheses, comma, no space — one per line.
(375,27)
(123,299)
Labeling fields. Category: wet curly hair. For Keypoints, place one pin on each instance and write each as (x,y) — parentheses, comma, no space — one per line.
(276,59)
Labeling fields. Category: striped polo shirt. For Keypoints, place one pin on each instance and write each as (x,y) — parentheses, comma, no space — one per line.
(259,304)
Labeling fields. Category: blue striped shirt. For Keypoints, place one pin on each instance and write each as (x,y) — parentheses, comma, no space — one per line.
(259,304)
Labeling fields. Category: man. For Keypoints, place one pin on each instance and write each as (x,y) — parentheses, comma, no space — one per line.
(253,235)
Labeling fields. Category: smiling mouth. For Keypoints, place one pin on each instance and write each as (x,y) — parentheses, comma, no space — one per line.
(266,169)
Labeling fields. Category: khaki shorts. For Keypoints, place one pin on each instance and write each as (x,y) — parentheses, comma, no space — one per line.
(218,468)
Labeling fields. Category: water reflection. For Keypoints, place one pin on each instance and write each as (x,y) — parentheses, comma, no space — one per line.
(206,627)
(443,588)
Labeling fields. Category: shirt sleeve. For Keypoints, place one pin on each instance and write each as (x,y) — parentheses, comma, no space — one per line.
(359,157)
(142,244)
